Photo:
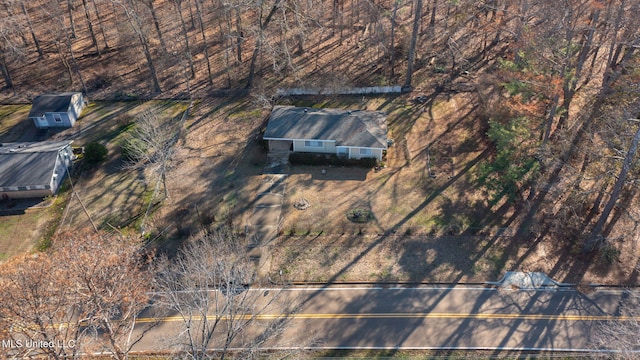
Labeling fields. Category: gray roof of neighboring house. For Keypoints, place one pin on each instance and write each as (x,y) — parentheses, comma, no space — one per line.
(51,103)
(358,128)
(28,164)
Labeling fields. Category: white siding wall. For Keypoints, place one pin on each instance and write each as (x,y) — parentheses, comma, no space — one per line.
(354,153)
(40,122)
(63,161)
(77,104)
(27,194)
(65,123)
(327,147)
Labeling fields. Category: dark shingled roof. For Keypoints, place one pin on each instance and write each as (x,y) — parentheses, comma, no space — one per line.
(28,164)
(348,128)
(51,103)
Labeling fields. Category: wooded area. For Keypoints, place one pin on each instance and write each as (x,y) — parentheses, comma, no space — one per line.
(194,46)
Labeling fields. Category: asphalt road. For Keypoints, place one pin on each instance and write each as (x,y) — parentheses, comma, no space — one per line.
(429,318)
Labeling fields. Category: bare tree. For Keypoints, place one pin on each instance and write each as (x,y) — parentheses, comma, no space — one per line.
(262,25)
(10,46)
(137,25)
(619,338)
(72,23)
(156,22)
(36,299)
(94,40)
(596,233)
(100,23)
(413,44)
(204,41)
(206,286)
(111,280)
(185,35)
(392,45)
(33,34)
(59,32)
(151,145)
(83,295)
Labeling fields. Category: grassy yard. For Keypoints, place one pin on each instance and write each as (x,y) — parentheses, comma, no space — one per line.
(426,186)
(428,220)
(115,197)
(13,122)
(20,233)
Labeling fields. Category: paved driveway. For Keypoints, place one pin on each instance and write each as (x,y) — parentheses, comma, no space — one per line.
(263,224)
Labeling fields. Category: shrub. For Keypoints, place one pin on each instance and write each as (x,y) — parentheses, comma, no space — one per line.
(610,254)
(330,160)
(514,165)
(132,148)
(359,215)
(94,152)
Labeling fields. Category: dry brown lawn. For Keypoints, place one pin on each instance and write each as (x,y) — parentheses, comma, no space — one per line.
(402,196)
(424,229)
(216,169)
(115,196)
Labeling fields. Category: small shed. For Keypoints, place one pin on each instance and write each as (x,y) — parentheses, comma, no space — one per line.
(57,110)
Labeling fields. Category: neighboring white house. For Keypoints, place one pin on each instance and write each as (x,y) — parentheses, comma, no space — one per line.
(33,169)
(354,134)
(57,110)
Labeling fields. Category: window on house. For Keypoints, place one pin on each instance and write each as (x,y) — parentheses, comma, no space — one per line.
(57,118)
(308,143)
(365,151)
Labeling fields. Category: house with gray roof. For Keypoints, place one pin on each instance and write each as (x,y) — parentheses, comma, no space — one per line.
(353,134)
(33,169)
(56,110)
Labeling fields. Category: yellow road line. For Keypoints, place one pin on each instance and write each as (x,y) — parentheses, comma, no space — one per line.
(404,316)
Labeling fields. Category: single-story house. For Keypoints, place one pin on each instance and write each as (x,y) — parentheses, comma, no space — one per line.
(57,110)
(33,169)
(354,134)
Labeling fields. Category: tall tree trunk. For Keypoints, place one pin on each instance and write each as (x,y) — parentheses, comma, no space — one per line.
(33,34)
(11,14)
(239,35)
(4,69)
(552,115)
(104,35)
(71,22)
(432,21)
(334,17)
(136,25)
(393,44)
(204,41)
(258,47)
(186,37)
(596,234)
(571,83)
(75,62)
(156,24)
(65,62)
(414,41)
(94,40)
(152,68)
(610,58)
(193,21)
